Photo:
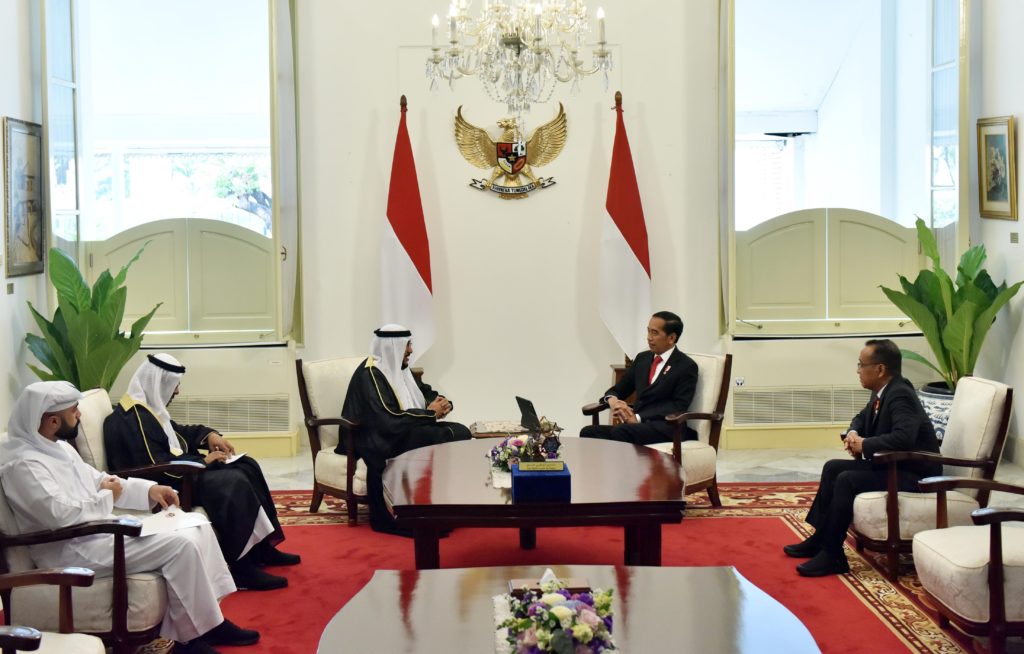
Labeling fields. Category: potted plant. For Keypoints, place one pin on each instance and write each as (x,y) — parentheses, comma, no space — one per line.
(84,344)
(954,315)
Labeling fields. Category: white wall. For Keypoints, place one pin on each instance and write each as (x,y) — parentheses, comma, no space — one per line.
(515,290)
(1003,355)
(18,78)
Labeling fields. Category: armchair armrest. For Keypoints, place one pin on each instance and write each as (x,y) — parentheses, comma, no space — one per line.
(327,422)
(78,577)
(937,484)
(20,638)
(991,515)
(594,408)
(693,415)
(188,470)
(895,457)
(122,526)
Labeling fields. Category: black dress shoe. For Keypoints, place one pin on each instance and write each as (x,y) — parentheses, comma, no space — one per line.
(273,557)
(229,633)
(249,577)
(824,564)
(803,550)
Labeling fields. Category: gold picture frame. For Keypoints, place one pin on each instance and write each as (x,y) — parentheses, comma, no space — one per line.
(997,168)
(24,229)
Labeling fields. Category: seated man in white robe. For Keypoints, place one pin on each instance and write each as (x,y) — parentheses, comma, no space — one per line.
(48,486)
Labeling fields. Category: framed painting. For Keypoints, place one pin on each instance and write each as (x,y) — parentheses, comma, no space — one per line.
(997,168)
(23,197)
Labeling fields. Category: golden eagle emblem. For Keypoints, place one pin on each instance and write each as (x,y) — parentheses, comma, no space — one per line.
(509,157)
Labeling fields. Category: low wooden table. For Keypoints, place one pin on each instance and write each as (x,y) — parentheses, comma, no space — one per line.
(441,487)
(655,610)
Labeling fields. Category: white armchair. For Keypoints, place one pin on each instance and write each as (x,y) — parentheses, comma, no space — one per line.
(975,574)
(886,521)
(21,638)
(322,388)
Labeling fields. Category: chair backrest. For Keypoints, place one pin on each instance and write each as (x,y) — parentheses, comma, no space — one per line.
(95,407)
(978,422)
(323,385)
(14,559)
(712,389)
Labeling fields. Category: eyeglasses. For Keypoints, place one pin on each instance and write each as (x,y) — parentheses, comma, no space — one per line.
(865,365)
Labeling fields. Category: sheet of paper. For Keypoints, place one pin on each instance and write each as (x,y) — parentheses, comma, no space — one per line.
(234,457)
(170,520)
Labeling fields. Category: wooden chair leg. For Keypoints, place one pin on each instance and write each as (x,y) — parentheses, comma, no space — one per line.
(314,504)
(943,621)
(716,501)
(892,564)
(352,506)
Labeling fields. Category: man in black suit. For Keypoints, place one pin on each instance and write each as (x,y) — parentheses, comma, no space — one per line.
(892,420)
(664,380)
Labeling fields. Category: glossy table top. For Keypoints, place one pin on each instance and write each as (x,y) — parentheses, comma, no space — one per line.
(459,475)
(708,609)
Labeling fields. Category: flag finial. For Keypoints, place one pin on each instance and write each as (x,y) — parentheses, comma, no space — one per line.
(403,103)
(618,101)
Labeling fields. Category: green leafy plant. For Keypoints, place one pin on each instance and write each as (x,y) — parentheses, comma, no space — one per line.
(954,317)
(84,344)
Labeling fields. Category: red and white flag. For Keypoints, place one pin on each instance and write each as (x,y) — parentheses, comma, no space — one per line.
(406,289)
(625,260)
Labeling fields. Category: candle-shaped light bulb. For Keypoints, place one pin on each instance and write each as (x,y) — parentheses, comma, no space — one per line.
(536,20)
(451,22)
(433,31)
(600,24)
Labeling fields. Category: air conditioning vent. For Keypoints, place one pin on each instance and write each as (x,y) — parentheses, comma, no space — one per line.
(241,414)
(797,404)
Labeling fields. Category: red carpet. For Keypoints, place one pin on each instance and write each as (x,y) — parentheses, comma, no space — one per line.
(853,613)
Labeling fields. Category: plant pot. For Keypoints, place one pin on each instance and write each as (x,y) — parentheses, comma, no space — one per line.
(937,399)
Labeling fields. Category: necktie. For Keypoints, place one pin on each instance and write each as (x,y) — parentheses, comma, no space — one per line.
(654,368)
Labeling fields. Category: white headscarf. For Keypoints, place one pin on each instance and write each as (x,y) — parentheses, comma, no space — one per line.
(23,437)
(387,353)
(154,386)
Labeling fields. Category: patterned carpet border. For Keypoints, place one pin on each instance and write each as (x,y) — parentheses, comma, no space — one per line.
(902,607)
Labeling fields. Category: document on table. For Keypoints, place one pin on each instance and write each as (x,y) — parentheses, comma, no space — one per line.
(170,520)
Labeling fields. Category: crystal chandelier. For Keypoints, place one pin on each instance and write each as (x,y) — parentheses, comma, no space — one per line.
(519,49)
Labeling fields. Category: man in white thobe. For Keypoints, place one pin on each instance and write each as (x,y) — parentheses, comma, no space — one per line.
(49,486)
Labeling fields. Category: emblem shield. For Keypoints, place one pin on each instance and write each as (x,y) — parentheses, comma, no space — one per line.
(511,156)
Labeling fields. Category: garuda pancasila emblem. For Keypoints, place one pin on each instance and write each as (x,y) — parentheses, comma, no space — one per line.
(510,158)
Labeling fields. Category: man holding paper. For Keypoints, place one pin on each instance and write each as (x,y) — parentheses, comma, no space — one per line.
(232,490)
(48,486)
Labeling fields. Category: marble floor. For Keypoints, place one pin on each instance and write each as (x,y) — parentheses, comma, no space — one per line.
(765,465)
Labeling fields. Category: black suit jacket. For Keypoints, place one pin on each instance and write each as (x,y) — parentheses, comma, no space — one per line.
(901,424)
(670,393)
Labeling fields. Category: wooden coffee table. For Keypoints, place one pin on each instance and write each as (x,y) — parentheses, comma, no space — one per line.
(711,609)
(441,487)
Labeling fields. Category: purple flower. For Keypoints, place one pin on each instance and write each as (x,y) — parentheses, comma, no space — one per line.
(564,593)
(586,598)
(608,622)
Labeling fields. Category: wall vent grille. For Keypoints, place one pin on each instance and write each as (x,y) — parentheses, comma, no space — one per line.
(797,404)
(240,414)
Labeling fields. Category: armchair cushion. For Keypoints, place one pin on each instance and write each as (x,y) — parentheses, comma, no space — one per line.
(327,383)
(331,469)
(699,460)
(974,421)
(54,643)
(917,512)
(94,407)
(705,398)
(953,567)
(36,606)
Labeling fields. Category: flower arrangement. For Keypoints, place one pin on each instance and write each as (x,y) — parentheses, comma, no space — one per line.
(519,448)
(555,620)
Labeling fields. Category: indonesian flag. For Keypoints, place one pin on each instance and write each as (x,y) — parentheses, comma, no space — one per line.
(625,261)
(406,289)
